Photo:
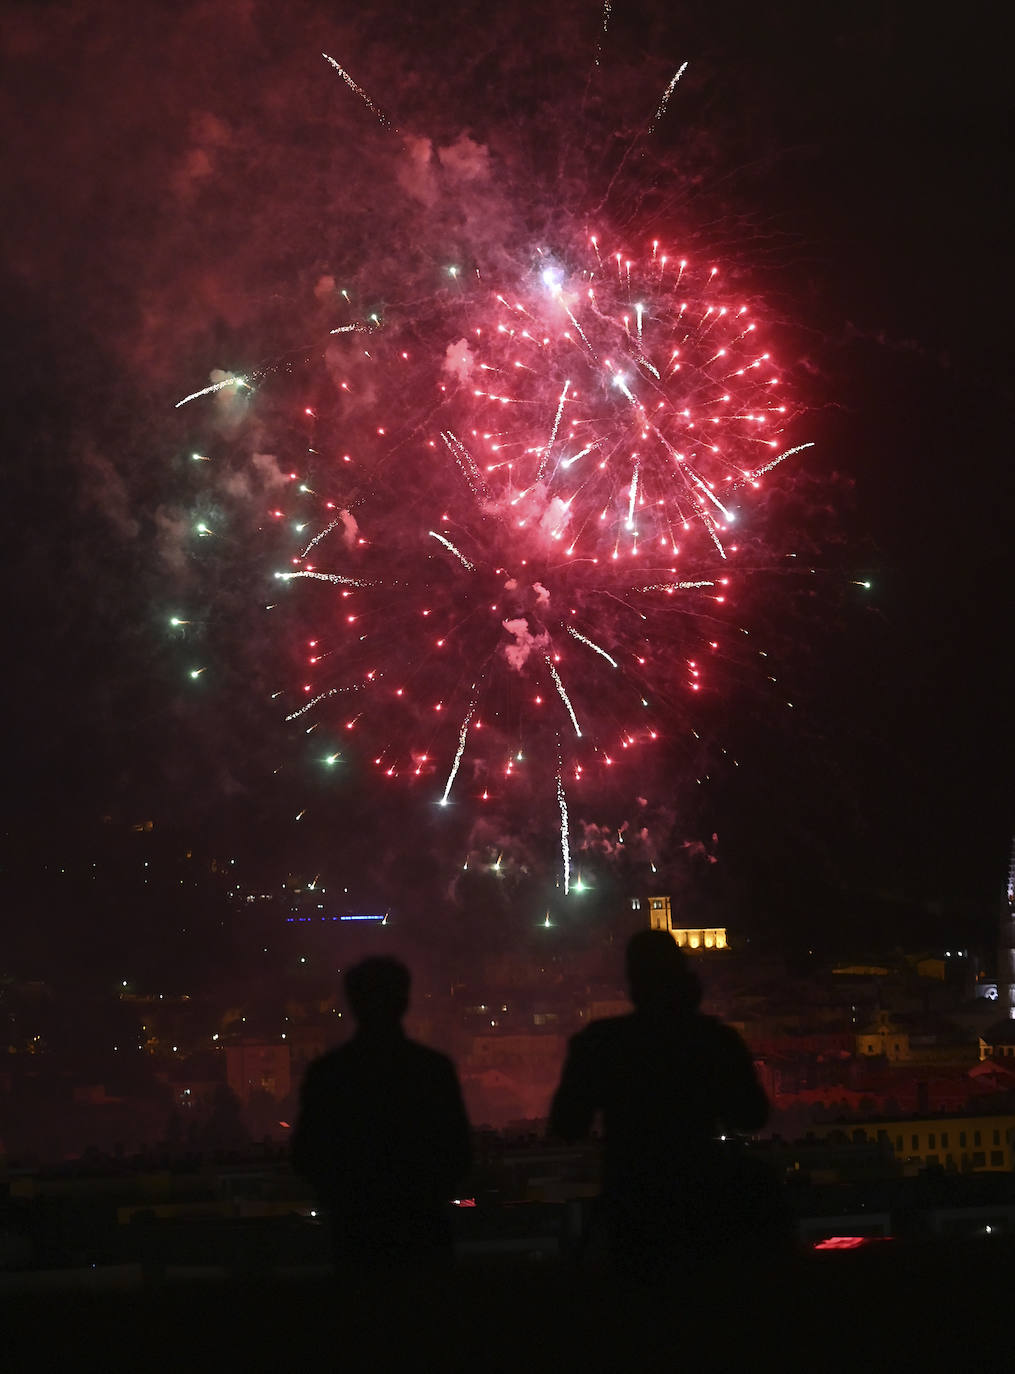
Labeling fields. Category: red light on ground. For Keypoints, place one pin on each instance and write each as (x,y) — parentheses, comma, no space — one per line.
(849,1242)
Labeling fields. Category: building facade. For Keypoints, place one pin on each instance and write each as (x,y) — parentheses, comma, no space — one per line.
(692,939)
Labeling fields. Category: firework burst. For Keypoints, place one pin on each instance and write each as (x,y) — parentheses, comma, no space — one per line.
(505,549)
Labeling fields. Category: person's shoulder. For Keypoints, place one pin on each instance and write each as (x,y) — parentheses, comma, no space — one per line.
(718,1032)
(329,1063)
(429,1059)
(604,1031)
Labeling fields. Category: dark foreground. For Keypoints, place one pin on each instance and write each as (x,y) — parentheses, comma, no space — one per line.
(944,1305)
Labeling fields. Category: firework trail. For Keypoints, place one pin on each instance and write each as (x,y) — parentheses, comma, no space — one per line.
(378,113)
(666,96)
(462,736)
(565,841)
(457,552)
(584,639)
(563,695)
(207,390)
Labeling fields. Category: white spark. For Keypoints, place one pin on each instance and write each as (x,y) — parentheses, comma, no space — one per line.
(382,118)
(633,493)
(564,846)
(564,696)
(318,537)
(672,586)
(556,426)
(776,461)
(601,652)
(666,96)
(338,579)
(448,545)
(206,391)
(462,734)
(569,462)
(464,459)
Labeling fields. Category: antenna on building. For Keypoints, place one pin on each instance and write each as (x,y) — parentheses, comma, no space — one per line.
(1006,944)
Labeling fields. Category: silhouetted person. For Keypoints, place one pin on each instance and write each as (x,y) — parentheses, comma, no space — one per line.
(382,1133)
(667,1080)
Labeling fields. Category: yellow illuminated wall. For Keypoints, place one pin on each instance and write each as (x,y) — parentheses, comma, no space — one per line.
(660,917)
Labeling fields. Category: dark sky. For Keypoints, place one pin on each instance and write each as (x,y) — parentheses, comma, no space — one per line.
(180,176)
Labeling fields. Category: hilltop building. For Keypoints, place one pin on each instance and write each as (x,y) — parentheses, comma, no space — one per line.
(696,940)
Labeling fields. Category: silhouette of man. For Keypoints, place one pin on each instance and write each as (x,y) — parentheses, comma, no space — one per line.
(382,1133)
(667,1079)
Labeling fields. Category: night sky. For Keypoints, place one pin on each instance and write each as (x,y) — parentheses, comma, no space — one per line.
(179,180)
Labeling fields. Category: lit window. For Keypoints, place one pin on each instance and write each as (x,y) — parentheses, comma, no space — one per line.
(635,903)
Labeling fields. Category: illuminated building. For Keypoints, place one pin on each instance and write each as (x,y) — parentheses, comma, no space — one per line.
(693,939)
(965,1143)
(253,1065)
(884,1036)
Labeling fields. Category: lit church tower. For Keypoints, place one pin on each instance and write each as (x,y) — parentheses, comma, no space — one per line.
(660,917)
(1006,945)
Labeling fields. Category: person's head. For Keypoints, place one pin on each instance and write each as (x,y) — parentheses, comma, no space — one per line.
(658,974)
(377,991)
